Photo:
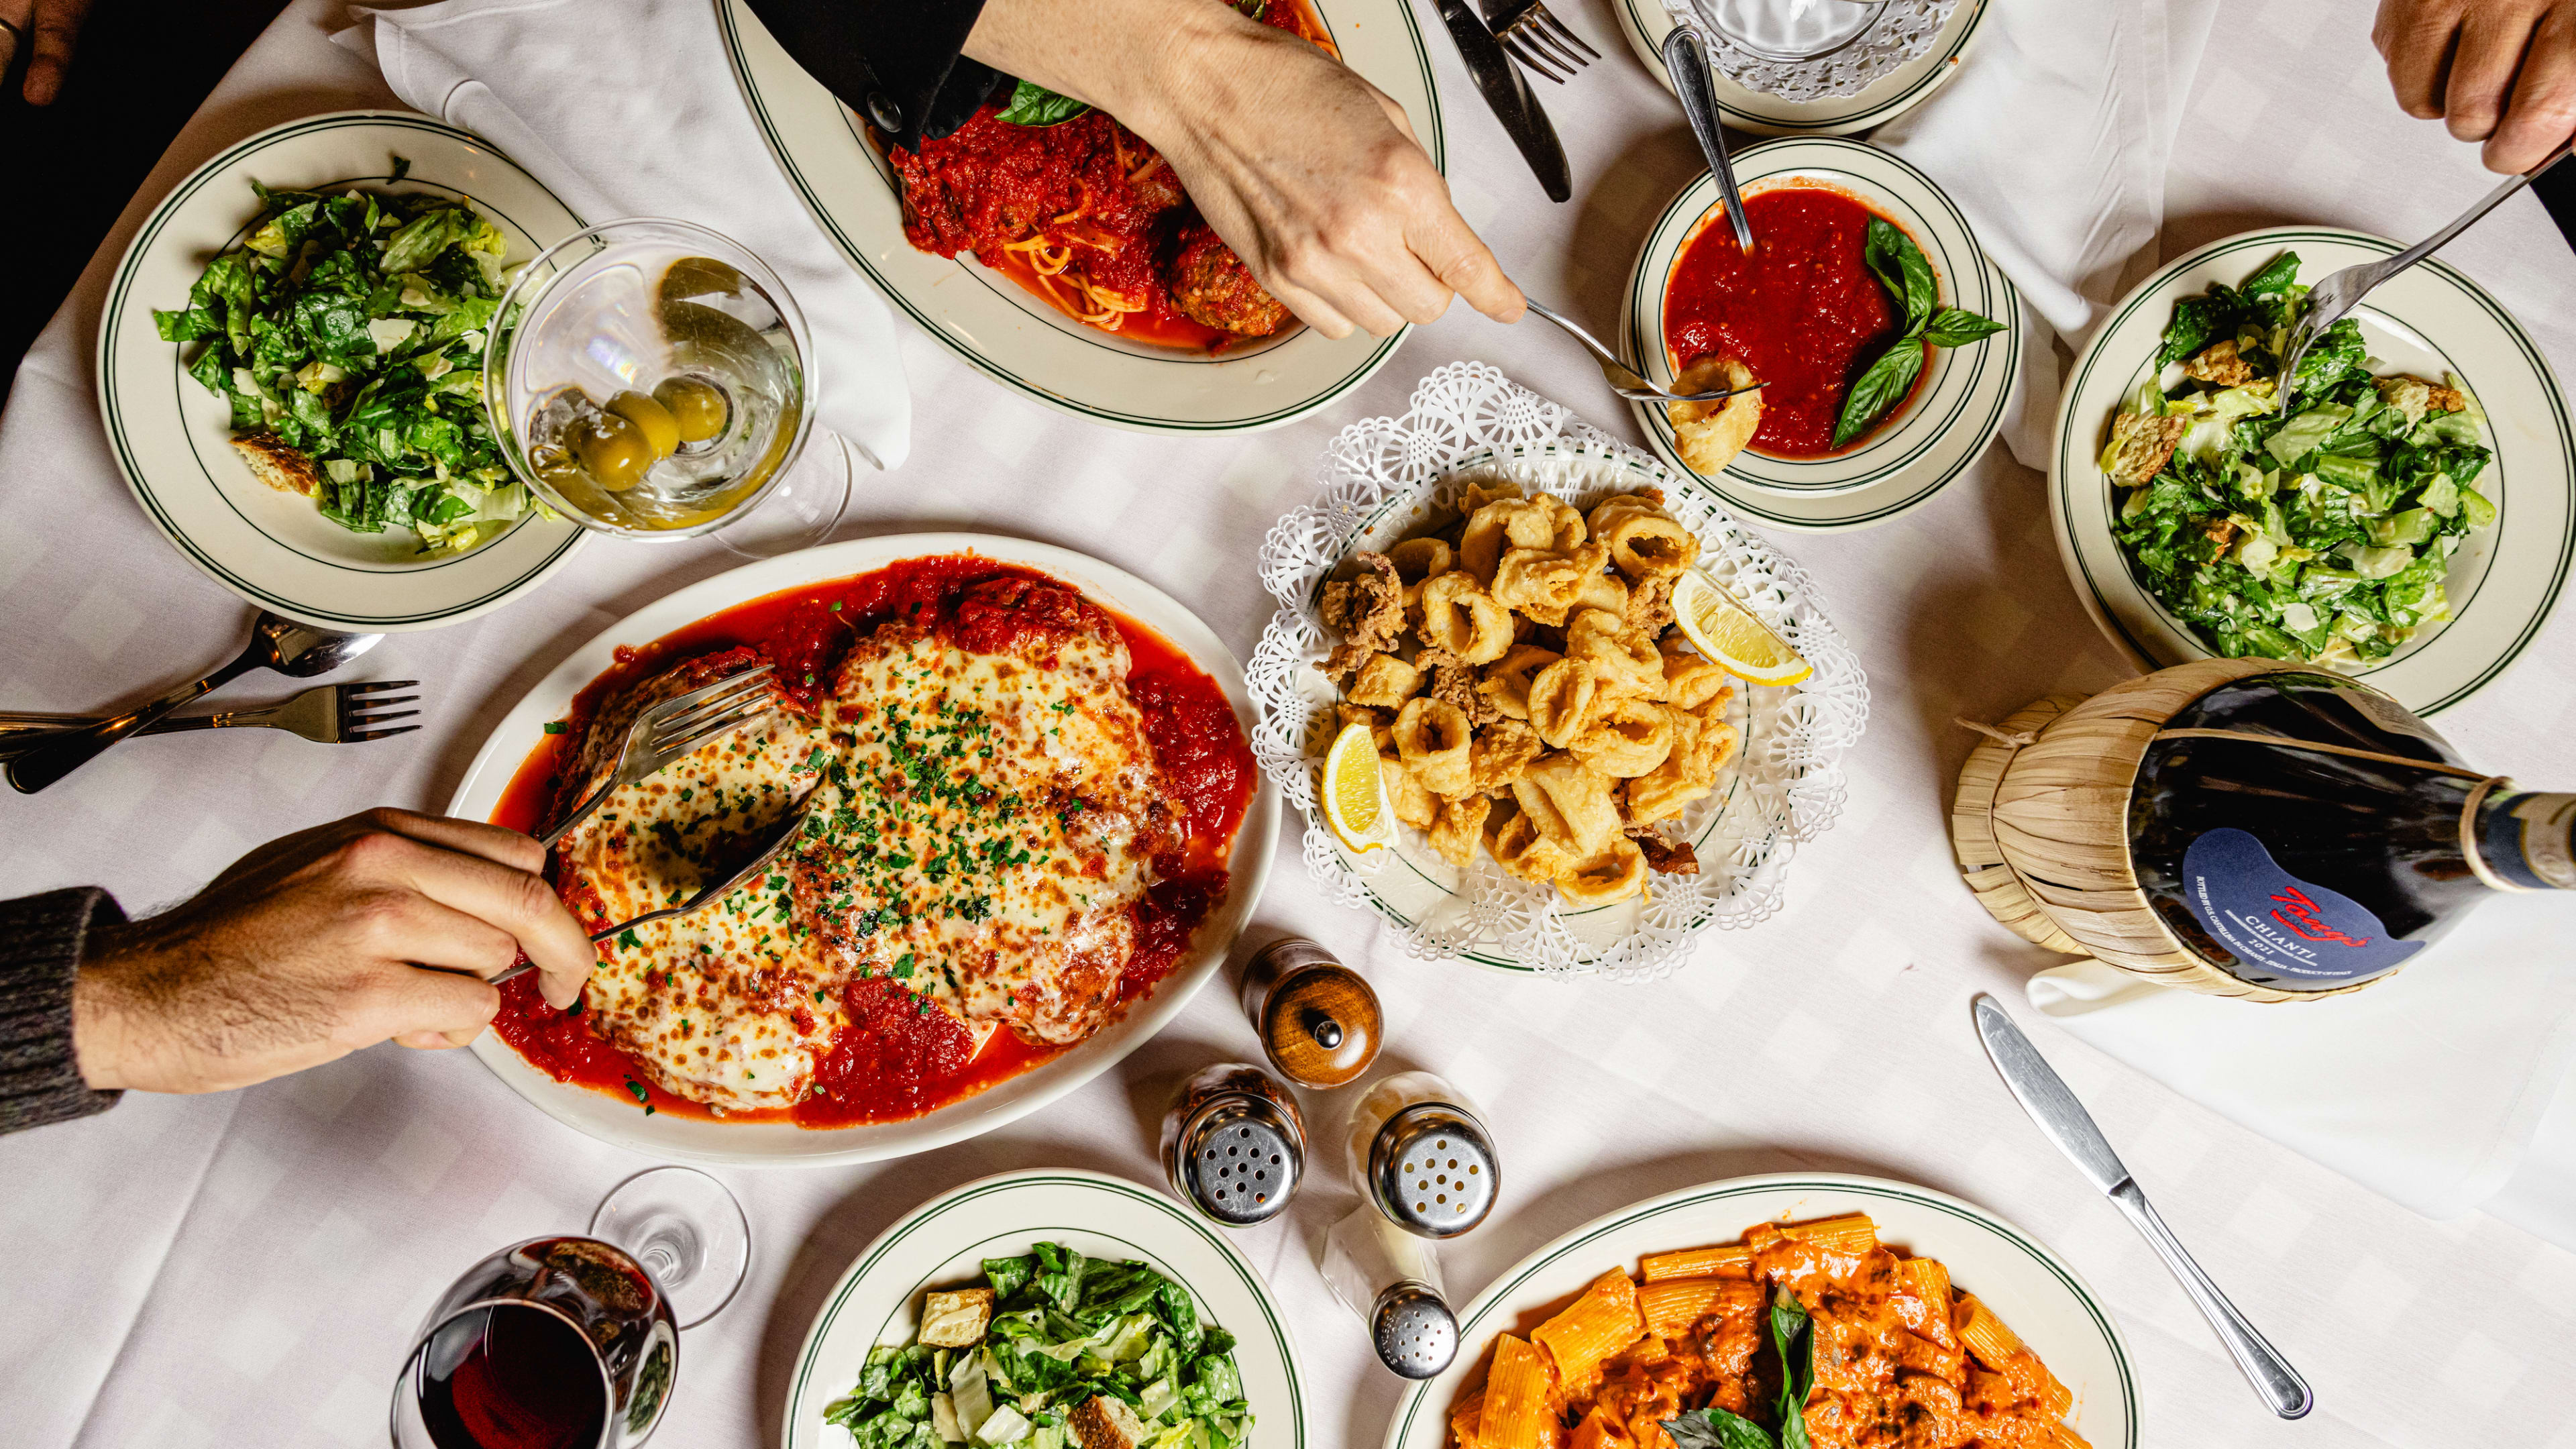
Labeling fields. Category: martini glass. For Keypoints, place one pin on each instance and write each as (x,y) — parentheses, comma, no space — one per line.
(652,379)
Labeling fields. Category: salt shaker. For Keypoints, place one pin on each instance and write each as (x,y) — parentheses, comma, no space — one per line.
(1391,1280)
(1420,1153)
(1234,1146)
(1319,1022)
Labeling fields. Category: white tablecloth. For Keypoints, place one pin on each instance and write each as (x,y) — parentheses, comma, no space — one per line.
(246,1268)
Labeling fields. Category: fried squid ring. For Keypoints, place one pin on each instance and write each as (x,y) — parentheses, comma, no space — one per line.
(1502,754)
(1626,738)
(1433,737)
(1520,849)
(1690,681)
(1626,659)
(1506,681)
(1570,804)
(1570,532)
(1459,616)
(1708,435)
(1460,829)
(1541,583)
(1481,491)
(1613,873)
(1417,559)
(1414,805)
(1384,682)
(1650,546)
(1604,591)
(1560,700)
(1611,509)
(1503,524)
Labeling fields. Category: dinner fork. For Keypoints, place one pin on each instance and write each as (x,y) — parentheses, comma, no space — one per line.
(1537,39)
(328,714)
(2329,300)
(670,730)
(1623,379)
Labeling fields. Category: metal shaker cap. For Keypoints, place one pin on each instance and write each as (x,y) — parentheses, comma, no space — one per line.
(1416,1334)
(1432,1170)
(1235,1148)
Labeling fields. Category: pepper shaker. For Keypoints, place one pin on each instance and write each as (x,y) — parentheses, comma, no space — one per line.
(1421,1154)
(1318,1020)
(1234,1146)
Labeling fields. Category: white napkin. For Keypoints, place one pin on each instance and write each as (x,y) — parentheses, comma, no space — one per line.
(2054,138)
(631,110)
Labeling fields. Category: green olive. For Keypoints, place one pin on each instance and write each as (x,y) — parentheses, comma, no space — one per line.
(698,406)
(613,451)
(661,430)
(698,277)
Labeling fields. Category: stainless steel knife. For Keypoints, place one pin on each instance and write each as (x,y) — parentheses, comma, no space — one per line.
(2044,1095)
(1508,92)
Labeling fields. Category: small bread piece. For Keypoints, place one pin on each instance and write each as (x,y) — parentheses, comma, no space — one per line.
(2218,364)
(1106,1423)
(1708,435)
(2140,445)
(280,467)
(1384,682)
(956,1320)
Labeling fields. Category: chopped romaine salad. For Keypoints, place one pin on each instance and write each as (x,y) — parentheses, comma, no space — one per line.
(348,333)
(2317,532)
(1053,1350)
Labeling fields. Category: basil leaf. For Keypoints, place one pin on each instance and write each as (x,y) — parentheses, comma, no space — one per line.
(1954,327)
(1715,1428)
(1878,387)
(1794,1337)
(1903,268)
(2278,276)
(1035,105)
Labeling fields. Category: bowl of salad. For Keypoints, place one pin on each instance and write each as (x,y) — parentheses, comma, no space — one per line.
(2402,508)
(1050,1309)
(290,369)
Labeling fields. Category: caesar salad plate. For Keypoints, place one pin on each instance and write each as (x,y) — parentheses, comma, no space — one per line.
(1021,342)
(1910,48)
(943,1242)
(2429,320)
(1945,423)
(172,437)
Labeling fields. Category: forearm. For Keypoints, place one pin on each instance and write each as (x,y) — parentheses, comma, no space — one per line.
(42,942)
(1131,58)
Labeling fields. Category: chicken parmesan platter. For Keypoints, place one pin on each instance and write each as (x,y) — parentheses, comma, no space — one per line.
(1018,810)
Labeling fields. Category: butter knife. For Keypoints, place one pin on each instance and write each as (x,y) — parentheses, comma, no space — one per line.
(2045,1096)
(1508,92)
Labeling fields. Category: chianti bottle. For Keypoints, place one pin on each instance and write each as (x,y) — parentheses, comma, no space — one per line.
(2303,832)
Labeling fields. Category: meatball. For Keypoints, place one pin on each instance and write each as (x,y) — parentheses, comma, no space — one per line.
(1213,288)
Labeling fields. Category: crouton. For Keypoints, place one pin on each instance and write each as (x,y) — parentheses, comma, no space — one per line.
(956,1320)
(280,467)
(2140,445)
(2220,365)
(1106,1423)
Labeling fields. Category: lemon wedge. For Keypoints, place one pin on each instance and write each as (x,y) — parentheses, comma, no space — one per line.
(1355,803)
(1727,632)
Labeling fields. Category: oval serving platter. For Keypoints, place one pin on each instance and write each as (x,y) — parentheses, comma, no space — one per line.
(2428,320)
(1954,412)
(1020,341)
(2030,1288)
(172,438)
(684,1139)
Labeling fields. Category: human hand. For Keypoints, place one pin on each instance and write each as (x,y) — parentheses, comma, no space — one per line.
(317,945)
(2498,71)
(47,28)
(1312,175)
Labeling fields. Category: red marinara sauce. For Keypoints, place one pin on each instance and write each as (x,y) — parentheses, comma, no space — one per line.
(897,1058)
(1803,311)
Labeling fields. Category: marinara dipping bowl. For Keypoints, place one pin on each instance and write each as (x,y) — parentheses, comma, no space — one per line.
(786,605)
(1806,312)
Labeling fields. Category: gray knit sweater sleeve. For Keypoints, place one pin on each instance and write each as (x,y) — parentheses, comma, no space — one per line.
(40,952)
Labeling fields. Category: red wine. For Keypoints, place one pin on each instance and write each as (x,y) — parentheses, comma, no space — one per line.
(516,1377)
(2304,869)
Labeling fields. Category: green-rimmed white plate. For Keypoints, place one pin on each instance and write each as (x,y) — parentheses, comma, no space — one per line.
(2427,320)
(1953,413)
(2030,1288)
(942,1244)
(1646,22)
(172,438)
(992,323)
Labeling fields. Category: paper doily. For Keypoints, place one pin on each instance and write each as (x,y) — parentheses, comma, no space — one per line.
(1383,478)
(1902,34)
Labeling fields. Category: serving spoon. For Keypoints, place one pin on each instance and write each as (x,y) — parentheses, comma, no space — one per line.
(1625,380)
(296,650)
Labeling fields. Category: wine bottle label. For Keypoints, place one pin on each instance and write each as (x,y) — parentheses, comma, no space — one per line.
(2273,921)
(2539,846)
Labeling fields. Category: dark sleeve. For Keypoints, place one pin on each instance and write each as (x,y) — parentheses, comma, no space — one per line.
(895,62)
(40,952)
